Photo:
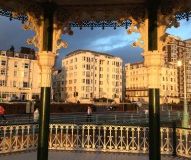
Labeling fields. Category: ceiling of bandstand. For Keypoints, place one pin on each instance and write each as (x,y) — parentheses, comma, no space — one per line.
(79,2)
(97,9)
(95,3)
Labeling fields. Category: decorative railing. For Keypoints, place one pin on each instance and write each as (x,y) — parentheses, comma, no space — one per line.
(99,138)
(18,138)
(90,137)
(183,147)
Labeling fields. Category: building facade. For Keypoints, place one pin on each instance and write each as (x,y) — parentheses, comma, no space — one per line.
(19,76)
(57,85)
(179,50)
(91,75)
(137,83)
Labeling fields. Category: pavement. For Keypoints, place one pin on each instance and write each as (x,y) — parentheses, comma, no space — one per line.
(82,155)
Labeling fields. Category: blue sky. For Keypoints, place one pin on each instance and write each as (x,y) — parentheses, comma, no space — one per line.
(116,42)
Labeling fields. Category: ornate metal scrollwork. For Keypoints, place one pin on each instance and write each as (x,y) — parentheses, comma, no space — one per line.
(184,15)
(102,24)
(13,15)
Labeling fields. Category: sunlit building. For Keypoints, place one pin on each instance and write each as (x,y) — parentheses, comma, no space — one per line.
(89,75)
(19,75)
(180,50)
(137,83)
(57,85)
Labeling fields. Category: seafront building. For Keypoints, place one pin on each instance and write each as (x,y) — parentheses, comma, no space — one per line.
(91,75)
(180,50)
(19,75)
(137,83)
(57,85)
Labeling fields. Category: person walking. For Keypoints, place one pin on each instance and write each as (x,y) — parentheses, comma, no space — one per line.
(2,113)
(36,115)
(89,114)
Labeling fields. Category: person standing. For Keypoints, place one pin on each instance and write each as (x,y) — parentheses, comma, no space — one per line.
(89,114)
(2,112)
(36,115)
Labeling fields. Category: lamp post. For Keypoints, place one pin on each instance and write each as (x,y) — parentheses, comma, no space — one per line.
(185,120)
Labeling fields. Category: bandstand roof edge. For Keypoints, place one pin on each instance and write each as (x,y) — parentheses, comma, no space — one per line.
(76,10)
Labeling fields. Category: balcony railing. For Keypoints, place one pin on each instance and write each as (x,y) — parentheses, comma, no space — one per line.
(90,137)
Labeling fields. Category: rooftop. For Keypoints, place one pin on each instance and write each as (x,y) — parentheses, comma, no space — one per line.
(93,52)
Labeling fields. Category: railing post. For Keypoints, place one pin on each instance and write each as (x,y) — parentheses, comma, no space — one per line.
(174,138)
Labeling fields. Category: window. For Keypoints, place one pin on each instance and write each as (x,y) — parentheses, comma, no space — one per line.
(25,56)
(2,83)
(87,74)
(87,81)
(15,64)
(3,63)
(26,65)
(14,84)
(25,84)
(87,67)
(3,71)
(25,74)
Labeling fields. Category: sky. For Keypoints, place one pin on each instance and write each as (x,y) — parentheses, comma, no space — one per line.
(116,42)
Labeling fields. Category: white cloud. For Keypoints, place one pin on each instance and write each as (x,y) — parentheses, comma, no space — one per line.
(113,41)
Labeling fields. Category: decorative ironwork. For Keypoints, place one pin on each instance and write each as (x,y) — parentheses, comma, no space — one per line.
(90,137)
(91,24)
(184,142)
(18,138)
(184,15)
(101,24)
(11,15)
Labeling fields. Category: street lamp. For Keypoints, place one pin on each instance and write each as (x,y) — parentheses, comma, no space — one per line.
(185,120)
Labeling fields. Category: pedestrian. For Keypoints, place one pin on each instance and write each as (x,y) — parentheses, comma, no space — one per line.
(2,113)
(36,115)
(89,114)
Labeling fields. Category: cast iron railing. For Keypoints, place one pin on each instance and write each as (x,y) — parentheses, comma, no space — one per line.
(91,137)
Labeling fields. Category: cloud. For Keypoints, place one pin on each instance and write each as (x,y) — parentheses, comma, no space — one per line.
(113,41)
(11,33)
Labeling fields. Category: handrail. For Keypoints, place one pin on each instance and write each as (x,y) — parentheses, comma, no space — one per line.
(94,137)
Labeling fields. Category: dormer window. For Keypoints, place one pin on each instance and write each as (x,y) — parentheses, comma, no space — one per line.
(25,56)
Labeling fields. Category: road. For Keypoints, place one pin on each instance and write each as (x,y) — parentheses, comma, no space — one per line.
(108,117)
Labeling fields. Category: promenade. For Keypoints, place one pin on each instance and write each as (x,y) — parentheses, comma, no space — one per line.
(77,155)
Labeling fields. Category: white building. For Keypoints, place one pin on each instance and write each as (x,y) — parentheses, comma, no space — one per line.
(19,76)
(137,83)
(57,85)
(180,50)
(89,75)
